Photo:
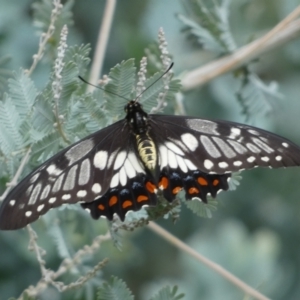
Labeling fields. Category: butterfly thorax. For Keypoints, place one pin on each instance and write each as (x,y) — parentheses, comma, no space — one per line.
(137,120)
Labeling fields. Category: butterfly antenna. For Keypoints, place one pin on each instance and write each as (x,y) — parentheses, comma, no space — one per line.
(170,67)
(136,98)
(100,88)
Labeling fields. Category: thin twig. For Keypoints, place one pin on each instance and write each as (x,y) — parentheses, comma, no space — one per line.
(215,267)
(49,276)
(102,42)
(45,36)
(14,181)
(286,30)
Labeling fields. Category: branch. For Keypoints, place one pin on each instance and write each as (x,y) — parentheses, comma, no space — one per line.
(283,32)
(49,277)
(44,38)
(215,267)
(102,42)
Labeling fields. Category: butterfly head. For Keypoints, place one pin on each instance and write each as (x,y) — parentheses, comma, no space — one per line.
(136,117)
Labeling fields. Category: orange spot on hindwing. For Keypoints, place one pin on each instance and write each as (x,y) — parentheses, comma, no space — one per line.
(216,182)
(101,207)
(176,190)
(126,203)
(151,187)
(202,181)
(164,182)
(113,200)
(193,190)
(142,198)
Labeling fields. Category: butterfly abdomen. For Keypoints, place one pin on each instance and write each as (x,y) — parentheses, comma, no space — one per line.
(147,151)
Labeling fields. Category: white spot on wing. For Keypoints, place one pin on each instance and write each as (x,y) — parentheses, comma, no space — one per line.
(190,165)
(135,163)
(278,158)
(66,197)
(79,151)
(265,158)
(225,148)
(111,158)
(234,132)
(262,145)
(253,148)
(100,159)
(223,164)
(57,184)
(130,171)
(254,132)
(28,191)
(251,159)
(174,148)
(285,145)
(163,151)
(123,176)
(114,181)
(12,202)
(237,147)
(28,213)
(35,193)
(52,200)
(203,126)
(81,193)
(45,191)
(208,164)
(40,207)
(121,156)
(34,177)
(209,146)
(70,179)
(181,164)
(172,160)
(96,188)
(190,141)
(237,163)
(52,170)
(84,172)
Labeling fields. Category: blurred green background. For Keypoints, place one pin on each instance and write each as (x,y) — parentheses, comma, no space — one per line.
(255,231)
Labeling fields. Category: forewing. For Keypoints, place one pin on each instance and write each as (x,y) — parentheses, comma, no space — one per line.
(219,146)
(80,173)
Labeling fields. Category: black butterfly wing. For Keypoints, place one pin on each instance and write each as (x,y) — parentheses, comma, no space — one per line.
(199,155)
(80,173)
(218,147)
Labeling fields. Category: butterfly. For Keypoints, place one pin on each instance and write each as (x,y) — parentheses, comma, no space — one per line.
(128,164)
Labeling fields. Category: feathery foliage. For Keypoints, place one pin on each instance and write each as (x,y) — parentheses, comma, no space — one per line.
(208,22)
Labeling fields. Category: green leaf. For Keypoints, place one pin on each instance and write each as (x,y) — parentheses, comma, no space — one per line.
(4,73)
(256,97)
(23,93)
(121,82)
(234,181)
(168,293)
(210,25)
(43,117)
(47,146)
(149,97)
(202,209)
(10,121)
(79,55)
(115,289)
